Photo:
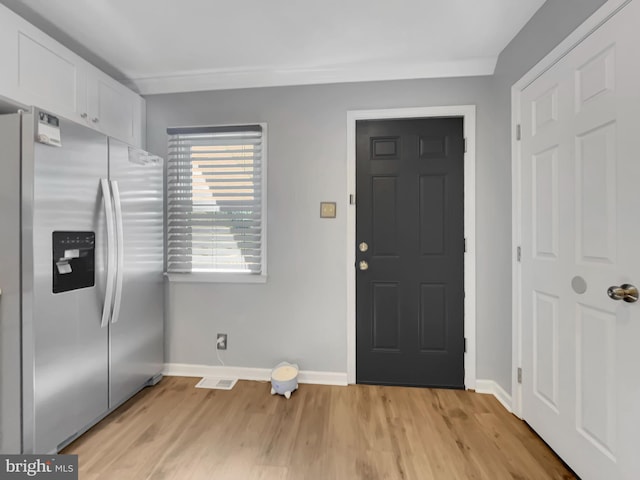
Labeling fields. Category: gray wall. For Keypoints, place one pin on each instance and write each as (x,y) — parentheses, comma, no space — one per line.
(300,314)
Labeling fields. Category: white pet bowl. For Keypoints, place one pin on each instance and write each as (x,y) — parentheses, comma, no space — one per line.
(284,379)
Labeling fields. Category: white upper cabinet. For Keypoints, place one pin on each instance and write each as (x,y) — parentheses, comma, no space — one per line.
(39,71)
(49,76)
(113,108)
(8,53)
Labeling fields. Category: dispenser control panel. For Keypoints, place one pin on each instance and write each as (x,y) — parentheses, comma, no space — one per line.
(74,263)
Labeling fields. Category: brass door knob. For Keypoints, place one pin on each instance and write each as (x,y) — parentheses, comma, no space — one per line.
(363,265)
(626,292)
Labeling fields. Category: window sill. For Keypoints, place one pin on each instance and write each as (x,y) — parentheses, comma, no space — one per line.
(215,278)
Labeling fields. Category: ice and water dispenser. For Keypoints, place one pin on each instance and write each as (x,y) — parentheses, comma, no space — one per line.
(73,260)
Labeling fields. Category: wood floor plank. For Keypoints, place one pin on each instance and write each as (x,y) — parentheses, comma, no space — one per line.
(174,431)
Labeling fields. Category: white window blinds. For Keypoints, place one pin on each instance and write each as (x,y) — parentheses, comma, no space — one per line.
(215,200)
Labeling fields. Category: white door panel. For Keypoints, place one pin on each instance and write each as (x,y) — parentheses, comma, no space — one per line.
(580,232)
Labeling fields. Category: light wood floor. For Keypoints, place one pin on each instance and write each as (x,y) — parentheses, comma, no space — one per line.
(175,431)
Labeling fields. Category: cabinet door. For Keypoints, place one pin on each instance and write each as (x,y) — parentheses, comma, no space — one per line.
(37,70)
(49,76)
(113,109)
(8,53)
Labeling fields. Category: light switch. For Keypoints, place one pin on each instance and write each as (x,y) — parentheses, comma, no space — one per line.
(327,209)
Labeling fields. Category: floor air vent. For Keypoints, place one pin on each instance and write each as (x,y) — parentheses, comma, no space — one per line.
(217,383)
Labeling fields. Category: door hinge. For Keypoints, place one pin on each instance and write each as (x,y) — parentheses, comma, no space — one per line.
(519,373)
(518,132)
(519,253)
(465,145)
(465,345)
(465,245)
(352,199)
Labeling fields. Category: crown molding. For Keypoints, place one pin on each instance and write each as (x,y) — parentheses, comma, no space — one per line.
(224,79)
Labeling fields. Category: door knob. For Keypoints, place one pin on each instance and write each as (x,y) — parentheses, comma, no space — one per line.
(363,247)
(363,265)
(625,292)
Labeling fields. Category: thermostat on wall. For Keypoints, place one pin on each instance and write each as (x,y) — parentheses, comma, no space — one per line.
(327,209)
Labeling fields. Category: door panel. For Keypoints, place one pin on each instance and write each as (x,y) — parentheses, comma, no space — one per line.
(595,377)
(386,316)
(410,212)
(384,196)
(545,351)
(596,195)
(433,190)
(433,318)
(580,178)
(137,337)
(545,203)
(70,347)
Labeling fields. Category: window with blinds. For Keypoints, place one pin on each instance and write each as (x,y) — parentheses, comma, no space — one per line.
(215,216)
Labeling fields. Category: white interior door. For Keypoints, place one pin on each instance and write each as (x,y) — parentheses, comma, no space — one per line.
(580,205)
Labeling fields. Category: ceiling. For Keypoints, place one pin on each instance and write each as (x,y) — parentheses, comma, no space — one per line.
(159,46)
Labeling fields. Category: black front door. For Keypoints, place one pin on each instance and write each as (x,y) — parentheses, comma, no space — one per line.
(410,252)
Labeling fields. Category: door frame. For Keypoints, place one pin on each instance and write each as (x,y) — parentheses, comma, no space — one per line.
(468,114)
(602,15)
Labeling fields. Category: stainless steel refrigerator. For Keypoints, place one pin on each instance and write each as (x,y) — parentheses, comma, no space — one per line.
(81,263)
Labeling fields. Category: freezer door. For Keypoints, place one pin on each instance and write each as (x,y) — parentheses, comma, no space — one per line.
(10,431)
(70,347)
(137,329)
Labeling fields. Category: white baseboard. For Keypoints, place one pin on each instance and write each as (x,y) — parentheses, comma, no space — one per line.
(245,373)
(491,387)
(305,376)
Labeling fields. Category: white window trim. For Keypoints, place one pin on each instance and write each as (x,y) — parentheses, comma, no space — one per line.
(206,277)
(220,277)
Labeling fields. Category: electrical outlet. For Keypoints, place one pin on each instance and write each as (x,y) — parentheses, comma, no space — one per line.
(221,341)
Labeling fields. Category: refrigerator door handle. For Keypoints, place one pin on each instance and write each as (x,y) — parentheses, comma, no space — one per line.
(108,212)
(120,251)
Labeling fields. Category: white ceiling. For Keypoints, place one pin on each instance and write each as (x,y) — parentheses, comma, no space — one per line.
(180,45)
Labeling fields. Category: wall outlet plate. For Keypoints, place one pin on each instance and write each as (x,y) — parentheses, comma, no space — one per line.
(327,209)
(221,341)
